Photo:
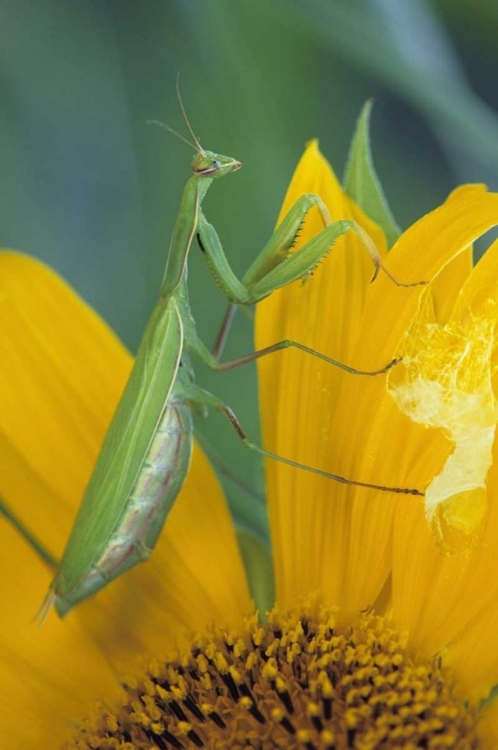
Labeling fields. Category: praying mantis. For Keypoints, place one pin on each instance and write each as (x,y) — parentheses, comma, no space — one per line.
(146,452)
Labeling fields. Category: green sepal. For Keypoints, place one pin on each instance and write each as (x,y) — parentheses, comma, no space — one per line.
(259,570)
(361,182)
(493,695)
(45,556)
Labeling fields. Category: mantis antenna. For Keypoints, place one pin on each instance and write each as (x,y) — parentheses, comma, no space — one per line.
(184,113)
(167,127)
(196,145)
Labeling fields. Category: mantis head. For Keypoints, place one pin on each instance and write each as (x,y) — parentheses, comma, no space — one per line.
(208,164)
(205,163)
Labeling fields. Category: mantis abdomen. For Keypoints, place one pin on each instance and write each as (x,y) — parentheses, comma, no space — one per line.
(157,485)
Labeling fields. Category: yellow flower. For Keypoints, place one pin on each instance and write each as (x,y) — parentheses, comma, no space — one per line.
(380,639)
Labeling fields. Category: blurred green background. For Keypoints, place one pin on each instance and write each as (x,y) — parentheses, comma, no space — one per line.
(91,188)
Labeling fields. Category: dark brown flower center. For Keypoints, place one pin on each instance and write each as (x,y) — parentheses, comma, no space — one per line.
(295,682)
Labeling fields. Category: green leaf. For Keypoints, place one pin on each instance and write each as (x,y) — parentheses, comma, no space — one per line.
(361,182)
(259,569)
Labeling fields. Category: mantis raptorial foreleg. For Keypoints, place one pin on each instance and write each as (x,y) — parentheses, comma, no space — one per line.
(276,266)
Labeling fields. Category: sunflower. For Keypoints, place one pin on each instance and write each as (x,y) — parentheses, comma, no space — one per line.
(379,637)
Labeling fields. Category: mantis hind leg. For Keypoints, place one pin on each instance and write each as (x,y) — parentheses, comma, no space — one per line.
(199,395)
(286,344)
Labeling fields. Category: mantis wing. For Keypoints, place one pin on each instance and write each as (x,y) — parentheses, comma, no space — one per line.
(125,446)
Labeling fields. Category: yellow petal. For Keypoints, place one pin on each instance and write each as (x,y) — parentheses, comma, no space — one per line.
(435,595)
(62,373)
(446,382)
(446,286)
(195,574)
(488,726)
(330,538)
(299,393)
(378,443)
(472,654)
(47,673)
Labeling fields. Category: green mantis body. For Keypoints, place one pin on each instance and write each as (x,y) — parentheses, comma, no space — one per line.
(146,453)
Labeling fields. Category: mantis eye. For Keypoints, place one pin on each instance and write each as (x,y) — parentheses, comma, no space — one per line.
(216,164)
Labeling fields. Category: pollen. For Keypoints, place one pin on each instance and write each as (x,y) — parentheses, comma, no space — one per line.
(446,382)
(296,682)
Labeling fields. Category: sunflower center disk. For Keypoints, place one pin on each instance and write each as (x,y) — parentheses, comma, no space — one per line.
(295,682)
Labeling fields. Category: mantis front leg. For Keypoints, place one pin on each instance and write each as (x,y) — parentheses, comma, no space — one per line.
(274,267)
